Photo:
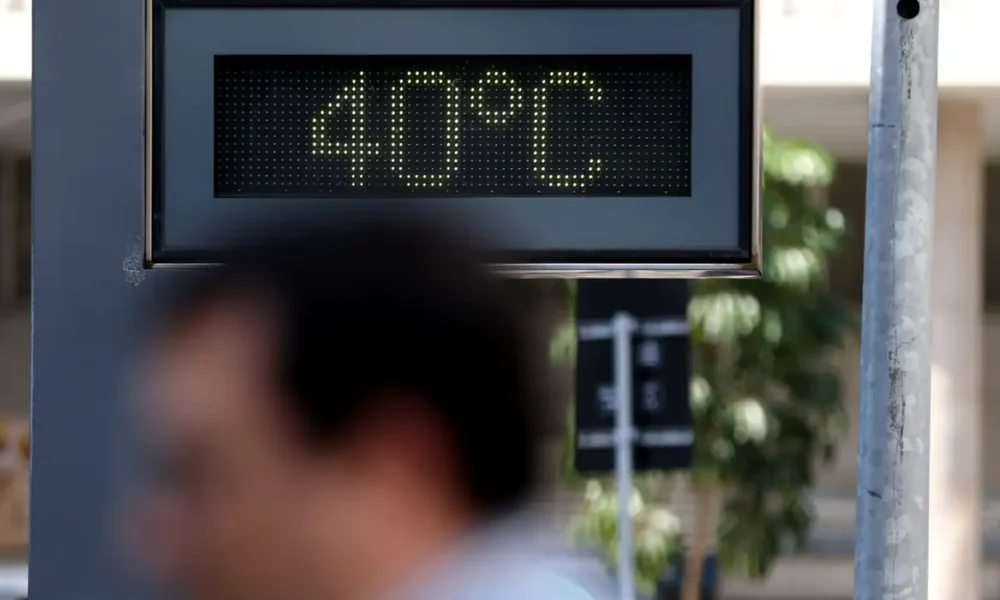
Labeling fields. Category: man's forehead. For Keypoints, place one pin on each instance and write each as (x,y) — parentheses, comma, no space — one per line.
(216,359)
(236,314)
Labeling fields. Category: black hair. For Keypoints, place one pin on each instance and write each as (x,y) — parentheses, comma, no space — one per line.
(391,302)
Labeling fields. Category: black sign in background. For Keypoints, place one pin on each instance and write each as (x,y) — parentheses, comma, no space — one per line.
(364,126)
(661,371)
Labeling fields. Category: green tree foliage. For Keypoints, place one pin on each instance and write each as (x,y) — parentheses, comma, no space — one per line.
(658,536)
(767,401)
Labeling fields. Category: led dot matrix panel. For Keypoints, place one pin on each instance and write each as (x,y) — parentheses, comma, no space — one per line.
(397,126)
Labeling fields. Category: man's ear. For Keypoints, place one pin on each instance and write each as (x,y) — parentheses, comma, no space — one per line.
(402,435)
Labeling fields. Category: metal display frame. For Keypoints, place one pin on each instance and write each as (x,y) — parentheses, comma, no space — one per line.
(745,262)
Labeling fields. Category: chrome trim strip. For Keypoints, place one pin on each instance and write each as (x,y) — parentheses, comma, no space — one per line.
(757,181)
(634,271)
(585,270)
(147,204)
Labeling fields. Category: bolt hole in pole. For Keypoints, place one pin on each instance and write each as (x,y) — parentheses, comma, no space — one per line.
(908,9)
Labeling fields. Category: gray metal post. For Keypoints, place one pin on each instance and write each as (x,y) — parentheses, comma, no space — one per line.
(623,325)
(894,431)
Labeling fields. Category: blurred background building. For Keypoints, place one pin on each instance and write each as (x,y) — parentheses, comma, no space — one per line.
(815,57)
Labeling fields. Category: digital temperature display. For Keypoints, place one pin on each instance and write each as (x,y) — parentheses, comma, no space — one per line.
(399,126)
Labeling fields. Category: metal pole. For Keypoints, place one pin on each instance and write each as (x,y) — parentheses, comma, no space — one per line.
(623,325)
(894,432)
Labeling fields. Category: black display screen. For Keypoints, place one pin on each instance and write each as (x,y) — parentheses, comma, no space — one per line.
(363,126)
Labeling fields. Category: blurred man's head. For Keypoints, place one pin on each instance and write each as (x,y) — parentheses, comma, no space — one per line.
(327,407)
